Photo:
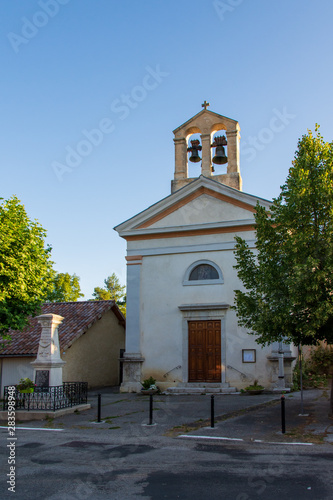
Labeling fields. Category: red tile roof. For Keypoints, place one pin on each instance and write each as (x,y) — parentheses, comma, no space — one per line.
(78,318)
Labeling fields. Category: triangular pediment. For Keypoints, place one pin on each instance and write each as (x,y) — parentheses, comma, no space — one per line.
(201,203)
(207,118)
(203,207)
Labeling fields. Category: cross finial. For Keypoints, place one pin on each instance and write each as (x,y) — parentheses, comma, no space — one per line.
(205,104)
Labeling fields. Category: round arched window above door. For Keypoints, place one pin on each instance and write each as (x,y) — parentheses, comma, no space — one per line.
(203,272)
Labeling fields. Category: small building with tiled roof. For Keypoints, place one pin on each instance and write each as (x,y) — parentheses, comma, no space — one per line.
(91,338)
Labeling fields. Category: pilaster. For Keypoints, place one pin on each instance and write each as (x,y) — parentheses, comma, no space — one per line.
(206,166)
(233,151)
(181,170)
(132,359)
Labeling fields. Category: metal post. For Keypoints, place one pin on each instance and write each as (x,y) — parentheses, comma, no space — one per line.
(150,409)
(301,376)
(212,411)
(98,407)
(283,414)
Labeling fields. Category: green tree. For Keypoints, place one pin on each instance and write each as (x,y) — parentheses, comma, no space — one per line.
(288,279)
(25,266)
(112,290)
(66,288)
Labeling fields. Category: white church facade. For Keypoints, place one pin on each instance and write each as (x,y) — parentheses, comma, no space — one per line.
(180,328)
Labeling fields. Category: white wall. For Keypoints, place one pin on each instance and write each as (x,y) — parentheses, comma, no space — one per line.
(162,322)
(163,327)
(13,369)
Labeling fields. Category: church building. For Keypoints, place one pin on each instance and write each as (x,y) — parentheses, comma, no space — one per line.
(180,328)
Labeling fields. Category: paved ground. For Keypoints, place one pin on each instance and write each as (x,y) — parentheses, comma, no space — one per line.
(236,416)
(124,458)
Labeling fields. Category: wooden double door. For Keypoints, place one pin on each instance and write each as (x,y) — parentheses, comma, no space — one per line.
(204,350)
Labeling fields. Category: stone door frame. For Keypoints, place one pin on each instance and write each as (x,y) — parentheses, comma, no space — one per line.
(203,312)
(208,350)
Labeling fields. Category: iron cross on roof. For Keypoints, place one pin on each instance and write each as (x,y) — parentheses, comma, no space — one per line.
(205,104)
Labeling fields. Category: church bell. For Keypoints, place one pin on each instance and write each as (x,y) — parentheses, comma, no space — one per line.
(194,149)
(220,157)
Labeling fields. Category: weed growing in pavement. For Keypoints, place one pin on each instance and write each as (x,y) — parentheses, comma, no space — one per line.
(49,421)
(115,402)
(297,434)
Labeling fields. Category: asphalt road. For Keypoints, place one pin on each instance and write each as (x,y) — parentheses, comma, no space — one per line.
(78,464)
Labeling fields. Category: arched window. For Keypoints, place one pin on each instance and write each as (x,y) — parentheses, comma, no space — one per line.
(203,272)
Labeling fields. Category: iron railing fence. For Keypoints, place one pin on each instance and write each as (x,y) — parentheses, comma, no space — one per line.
(48,398)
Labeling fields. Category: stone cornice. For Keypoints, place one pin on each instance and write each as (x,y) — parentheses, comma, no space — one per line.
(203,307)
(189,230)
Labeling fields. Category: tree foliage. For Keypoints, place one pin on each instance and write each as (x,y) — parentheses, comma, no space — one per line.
(25,266)
(65,288)
(112,290)
(288,279)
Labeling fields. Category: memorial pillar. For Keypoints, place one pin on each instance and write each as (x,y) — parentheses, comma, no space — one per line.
(48,365)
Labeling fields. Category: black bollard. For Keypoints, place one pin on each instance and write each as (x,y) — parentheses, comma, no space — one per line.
(212,411)
(150,409)
(283,414)
(98,407)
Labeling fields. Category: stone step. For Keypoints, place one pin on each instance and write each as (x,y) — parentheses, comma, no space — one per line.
(186,389)
(229,390)
(205,385)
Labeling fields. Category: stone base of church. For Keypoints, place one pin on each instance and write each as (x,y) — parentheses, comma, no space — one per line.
(130,387)
(202,388)
(131,372)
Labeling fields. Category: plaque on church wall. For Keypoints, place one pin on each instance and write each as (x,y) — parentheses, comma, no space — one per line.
(248,355)
(42,378)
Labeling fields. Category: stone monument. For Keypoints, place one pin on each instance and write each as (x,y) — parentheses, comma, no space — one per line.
(48,365)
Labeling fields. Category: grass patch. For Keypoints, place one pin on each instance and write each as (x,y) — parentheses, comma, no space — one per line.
(111,417)
(115,427)
(139,411)
(297,434)
(107,420)
(49,422)
(181,429)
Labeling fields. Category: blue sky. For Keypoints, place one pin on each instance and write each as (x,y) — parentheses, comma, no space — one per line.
(112,79)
